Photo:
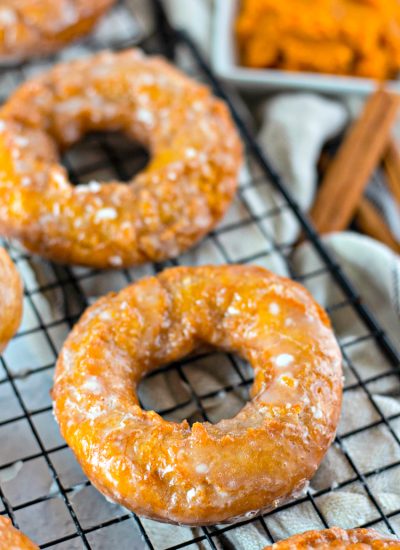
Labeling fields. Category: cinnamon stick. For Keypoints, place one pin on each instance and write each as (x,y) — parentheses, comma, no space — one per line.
(361,152)
(391,166)
(370,222)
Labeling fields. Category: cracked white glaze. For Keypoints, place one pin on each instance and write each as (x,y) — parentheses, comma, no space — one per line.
(29,28)
(164,210)
(11,296)
(340,539)
(205,473)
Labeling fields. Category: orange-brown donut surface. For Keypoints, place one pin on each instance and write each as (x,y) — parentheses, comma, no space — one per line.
(357,539)
(30,28)
(205,473)
(11,539)
(10,299)
(168,207)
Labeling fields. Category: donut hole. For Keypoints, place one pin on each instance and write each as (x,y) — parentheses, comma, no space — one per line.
(210,387)
(104,157)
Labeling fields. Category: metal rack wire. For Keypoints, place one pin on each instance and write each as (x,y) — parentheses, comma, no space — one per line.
(57,514)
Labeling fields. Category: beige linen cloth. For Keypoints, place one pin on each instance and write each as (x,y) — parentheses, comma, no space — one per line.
(293,130)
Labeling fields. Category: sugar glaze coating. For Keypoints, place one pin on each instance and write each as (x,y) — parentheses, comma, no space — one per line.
(357,539)
(205,473)
(10,299)
(31,28)
(168,207)
(11,539)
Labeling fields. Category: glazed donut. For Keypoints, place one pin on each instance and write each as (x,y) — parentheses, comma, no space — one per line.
(362,539)
(174,202)
(10,299)
(29,28)
(11,539)
(206,473)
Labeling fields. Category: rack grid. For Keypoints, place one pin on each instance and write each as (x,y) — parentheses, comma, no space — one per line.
(41,486)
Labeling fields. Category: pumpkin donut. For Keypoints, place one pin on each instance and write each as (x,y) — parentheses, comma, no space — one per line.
(10,299)
(206,473)
(172,204)
(31,28)
(362,539)
(11,539)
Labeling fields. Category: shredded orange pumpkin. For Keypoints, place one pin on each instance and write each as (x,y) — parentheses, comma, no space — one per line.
(349,37)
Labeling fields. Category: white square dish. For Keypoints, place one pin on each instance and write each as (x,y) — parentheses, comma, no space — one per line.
(226,65)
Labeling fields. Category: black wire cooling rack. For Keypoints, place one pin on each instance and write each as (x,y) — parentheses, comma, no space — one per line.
(41,487)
